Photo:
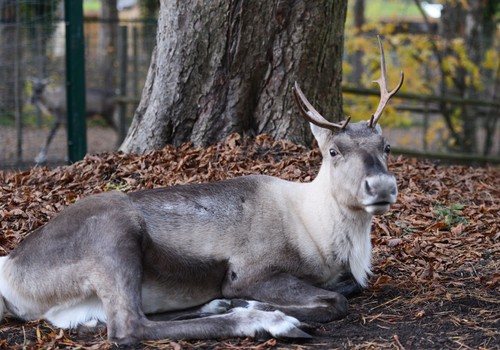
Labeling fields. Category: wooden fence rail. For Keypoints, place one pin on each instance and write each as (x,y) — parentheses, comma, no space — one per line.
(423,98)
(446,157)
(464,158)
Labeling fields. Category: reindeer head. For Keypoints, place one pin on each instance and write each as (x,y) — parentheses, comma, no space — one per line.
(355,155)
(38,86)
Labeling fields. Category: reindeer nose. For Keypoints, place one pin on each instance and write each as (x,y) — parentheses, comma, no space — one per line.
(381,185)
(379,192)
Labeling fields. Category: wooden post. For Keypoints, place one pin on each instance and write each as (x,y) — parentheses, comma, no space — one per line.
(123,59)
(17,78)
(135,62)
(426,125)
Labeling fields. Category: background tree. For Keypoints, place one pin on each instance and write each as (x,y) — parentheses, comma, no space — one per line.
(455,57)
(229,66)
(359,21)
(149,8)
(467,29)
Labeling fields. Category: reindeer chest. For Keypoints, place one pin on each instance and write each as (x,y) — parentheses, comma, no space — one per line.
(347,250)
(353,252)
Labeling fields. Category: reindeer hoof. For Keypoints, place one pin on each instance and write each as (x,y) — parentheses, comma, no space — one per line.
(216,307)
(257,323)
(296,333)
(41,158)
(284,327)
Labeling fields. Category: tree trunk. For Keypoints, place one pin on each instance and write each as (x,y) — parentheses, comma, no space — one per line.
(473,35)
(229,66)
(470,22)
(359,14)
(357,59)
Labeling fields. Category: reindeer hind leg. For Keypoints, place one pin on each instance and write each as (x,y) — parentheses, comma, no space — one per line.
(117,277)
(127,323)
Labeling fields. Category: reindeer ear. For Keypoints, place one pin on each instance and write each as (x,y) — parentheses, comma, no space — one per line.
(320,134)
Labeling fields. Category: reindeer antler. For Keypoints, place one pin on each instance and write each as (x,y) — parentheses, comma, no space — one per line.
(385,95)
(311,114)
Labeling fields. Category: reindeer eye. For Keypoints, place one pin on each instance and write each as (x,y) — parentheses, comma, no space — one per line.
(387,149)
(333,152)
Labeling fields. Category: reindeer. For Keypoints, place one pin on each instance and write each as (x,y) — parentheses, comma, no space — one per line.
(51,100)
(249,256)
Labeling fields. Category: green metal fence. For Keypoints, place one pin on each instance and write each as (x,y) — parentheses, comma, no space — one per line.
(33,48)
(75,80)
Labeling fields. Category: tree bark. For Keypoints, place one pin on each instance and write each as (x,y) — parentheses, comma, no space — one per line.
(228,66)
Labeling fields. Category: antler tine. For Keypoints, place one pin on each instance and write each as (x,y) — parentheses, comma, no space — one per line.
(385,95)
(311,114)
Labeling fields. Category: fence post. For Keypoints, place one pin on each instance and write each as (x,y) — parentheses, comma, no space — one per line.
(17,90)
(426,125)
(123,69)
(75,80)
(135,64)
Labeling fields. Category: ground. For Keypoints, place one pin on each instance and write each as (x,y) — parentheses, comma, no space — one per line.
(99,139)
(435,283)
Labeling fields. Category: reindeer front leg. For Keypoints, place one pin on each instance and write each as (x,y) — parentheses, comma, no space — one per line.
(42,156)
(292,296)
(346,285)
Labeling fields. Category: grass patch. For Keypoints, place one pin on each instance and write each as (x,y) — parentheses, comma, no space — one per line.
(378,9)
(91,5)
(451,215)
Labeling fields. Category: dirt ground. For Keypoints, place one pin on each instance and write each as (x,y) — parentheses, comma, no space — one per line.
(99,139)
(436,279)
(387,318)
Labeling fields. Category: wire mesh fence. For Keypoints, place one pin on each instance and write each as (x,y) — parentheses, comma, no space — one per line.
(32,56)
(32,80)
